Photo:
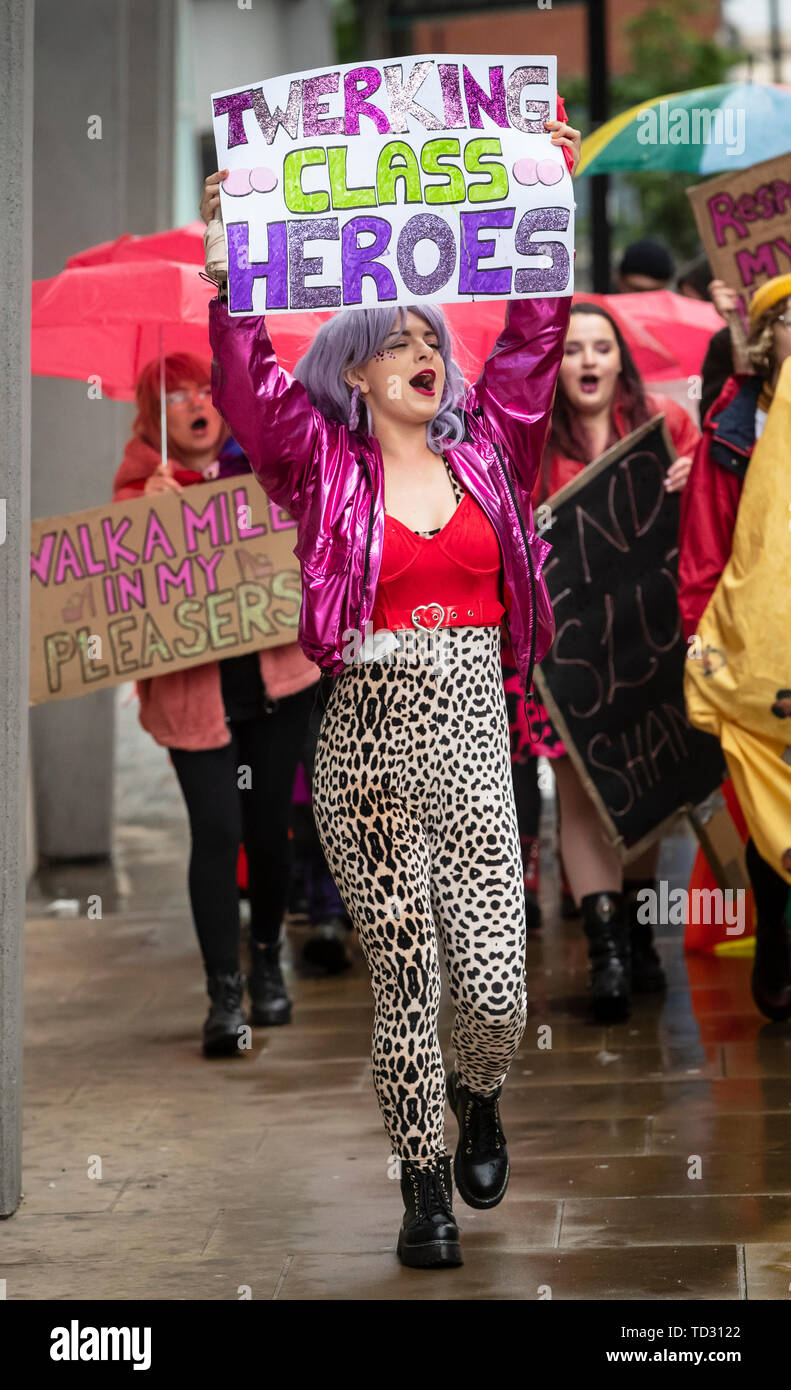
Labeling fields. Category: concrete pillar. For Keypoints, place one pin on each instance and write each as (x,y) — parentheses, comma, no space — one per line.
(16,148)
(114,61)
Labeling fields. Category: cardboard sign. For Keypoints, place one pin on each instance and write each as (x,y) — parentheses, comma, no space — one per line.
(744,220)
(383,183)
(613,681)
(157,584)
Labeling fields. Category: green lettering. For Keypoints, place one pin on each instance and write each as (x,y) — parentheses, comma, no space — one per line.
(217,621)
(342,195)
(286,584)
(296,199)
(495,185)
(115,630)
(182,613)
(253,599)
(92,670)
(153,643)
(451,191)
(58,648)
(388,172)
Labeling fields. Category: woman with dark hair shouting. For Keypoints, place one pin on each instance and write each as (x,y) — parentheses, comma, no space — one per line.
(412,498)
(600,399)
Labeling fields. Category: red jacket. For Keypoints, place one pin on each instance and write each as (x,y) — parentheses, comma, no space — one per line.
(184,709)
(681,427)
(709,504)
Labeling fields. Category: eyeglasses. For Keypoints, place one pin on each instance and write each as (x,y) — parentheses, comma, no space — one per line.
(203,394)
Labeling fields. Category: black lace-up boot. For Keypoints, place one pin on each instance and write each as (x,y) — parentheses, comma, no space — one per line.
(270,1004)
(647,975)
(608,948)
(481,1165)
(221,1035)
(429,1235)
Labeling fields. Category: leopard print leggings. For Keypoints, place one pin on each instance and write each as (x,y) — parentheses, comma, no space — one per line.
(414,805)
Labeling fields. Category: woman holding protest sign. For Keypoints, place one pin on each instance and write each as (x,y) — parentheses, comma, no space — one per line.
(412,498)
(600,399)
(735,580)
(235,729)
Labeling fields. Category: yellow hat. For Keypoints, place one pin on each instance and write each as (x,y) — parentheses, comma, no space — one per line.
(779,287)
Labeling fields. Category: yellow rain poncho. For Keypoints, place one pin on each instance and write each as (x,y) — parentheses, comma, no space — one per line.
(738,686)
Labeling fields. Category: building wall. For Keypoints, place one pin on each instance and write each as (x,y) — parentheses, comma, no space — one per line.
(531,30)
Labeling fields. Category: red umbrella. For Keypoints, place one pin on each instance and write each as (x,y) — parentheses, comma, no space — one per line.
(107,313)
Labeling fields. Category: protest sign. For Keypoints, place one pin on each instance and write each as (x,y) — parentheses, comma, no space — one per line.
(613,681)
(157,584)
(744,220)
(382,183)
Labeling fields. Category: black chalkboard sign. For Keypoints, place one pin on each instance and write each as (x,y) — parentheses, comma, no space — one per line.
(613,681)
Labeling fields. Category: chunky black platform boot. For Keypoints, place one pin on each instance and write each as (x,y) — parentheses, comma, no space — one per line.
(429,1236)
(605,927)
(221,1035)
(480,1166)
(270,1004)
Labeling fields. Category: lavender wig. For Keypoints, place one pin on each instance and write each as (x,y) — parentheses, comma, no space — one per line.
(350,339)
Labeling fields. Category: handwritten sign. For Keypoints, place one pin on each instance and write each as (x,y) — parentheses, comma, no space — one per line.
(744,220)
(613,681)
(383,183)
(156,584)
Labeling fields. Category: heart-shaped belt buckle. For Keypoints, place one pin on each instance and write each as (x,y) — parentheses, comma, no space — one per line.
(434,612)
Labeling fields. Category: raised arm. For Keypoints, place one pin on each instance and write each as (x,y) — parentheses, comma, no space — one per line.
(267,411)
(516,387)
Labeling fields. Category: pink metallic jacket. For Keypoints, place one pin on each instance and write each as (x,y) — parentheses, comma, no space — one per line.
(332,482)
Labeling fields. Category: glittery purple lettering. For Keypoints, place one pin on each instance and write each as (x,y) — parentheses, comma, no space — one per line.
(358,261)
(315,120)
(478,100)
(554,277)
(426,227)
(471,279)
(401,96)
(233,107)
(270,121)
(302,296)
(519,79)
(242,275)
(451,96)
(356,100)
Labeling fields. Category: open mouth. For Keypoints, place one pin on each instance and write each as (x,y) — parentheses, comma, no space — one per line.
(423,382)
(198,425)
(589,383)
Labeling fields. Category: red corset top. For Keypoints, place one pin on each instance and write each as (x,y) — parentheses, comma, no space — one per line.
(451,579)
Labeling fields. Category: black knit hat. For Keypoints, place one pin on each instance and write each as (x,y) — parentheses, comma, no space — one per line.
(647,257)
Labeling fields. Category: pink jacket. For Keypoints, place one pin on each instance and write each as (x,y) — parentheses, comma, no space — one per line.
(184,709)
(332,481)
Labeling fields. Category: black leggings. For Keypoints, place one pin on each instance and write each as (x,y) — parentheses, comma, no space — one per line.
(242,794)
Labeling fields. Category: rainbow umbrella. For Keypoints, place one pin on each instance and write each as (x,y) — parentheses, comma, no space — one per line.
(705,131)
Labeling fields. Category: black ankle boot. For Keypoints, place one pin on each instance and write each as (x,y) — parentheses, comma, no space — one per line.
(647,974)
(480,1166)
(608,948)
(771,977)
(221,1031)
(429,1235)
(270,1004)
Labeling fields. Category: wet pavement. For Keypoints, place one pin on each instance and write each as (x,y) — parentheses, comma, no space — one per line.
(651,1160)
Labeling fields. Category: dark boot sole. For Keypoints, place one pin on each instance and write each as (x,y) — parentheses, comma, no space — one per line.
(223,1047)
(432,1255)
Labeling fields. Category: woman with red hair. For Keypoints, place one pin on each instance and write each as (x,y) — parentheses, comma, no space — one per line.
(251,710)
